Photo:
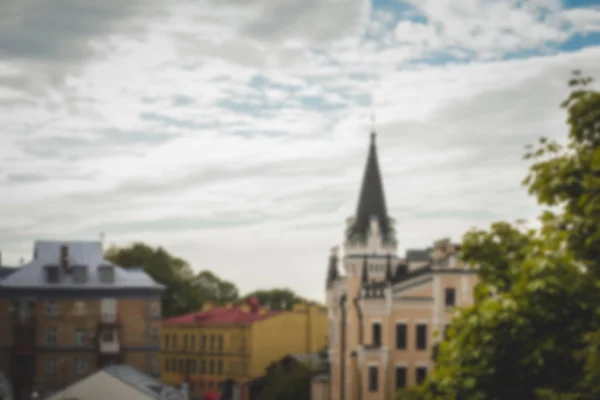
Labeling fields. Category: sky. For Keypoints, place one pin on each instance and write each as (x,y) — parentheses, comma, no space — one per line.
(234,133)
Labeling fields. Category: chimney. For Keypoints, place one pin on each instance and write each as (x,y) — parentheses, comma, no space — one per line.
(64,257)
(21,261)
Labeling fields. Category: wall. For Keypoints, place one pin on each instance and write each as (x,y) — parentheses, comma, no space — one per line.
(135,323)
(300,331)
(176,361)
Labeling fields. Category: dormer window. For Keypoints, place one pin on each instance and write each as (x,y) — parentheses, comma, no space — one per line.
(80,274)
(107,274)
(52,274)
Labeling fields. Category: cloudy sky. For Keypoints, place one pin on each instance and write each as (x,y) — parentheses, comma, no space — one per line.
(234,132)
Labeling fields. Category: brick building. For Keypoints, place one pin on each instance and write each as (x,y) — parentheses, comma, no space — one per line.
(69,312)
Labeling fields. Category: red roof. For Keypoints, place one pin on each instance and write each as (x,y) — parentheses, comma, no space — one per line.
(212,396)
(220,316)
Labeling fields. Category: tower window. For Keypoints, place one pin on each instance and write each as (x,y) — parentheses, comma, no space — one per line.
(376,331)
(373,379)
(401,336)
(421,337)
(450,297)
(400,377)
(421,374)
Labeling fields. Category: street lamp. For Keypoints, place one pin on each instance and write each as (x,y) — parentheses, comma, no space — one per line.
(34,395)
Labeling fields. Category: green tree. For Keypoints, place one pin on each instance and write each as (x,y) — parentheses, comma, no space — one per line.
(276,299)
(291,383)
(185,291)
(533,329)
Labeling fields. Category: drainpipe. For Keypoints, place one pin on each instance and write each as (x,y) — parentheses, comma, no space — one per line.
(361,331)
(343,351)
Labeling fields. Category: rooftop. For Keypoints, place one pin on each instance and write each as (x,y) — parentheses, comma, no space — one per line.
(222,316)
(142,382)
(88,255)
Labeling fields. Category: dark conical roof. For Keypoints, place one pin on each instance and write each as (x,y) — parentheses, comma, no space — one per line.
(332,271)
(371,201)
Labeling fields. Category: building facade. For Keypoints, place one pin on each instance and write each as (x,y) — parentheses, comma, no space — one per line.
(69,312)
(386,312)
(234,344)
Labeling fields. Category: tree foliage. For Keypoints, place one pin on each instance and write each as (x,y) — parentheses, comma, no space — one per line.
(293,383)
(534,329)
(276,299)
(187,291)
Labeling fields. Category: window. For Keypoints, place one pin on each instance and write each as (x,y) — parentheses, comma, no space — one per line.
(79,309)
(181,367)
(421,337)
(167,365)
(51,336)
(107,274)
(193,366)
(166,345)
(52,308)
(203,342)
(450,297)
(376,331)
(220,367)
(79,366)
(108,336)
(185,342)
(155,309)
(79,337)
(202,366)
(193,342)
(220,343)
(175,341)
(155,335)
(211,367)
(400,377)
(108,307)
(173,365)
(421,374)
(212,343)
(80,274)
(373,379)
(155,365)
(52,274)
(401,336)
(51,366)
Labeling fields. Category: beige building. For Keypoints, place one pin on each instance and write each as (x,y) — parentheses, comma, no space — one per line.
(384,310)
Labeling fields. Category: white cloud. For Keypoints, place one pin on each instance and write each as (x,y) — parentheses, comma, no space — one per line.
(236,138)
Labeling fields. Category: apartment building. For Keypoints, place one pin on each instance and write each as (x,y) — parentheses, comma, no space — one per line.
(69,312)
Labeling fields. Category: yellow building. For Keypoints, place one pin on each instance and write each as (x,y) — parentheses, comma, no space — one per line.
(236,344)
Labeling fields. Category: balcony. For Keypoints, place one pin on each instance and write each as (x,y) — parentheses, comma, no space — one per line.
(108,341)
(109,347)
(109,319)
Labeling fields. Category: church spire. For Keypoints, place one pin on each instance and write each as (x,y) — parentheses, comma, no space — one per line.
(332,270)
(371,201)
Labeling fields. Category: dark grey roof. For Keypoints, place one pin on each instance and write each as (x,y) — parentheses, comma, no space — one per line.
(332,271)
(417,254)
(142,382)
(80,253)
(371,201)
(6,271)
(411,274)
